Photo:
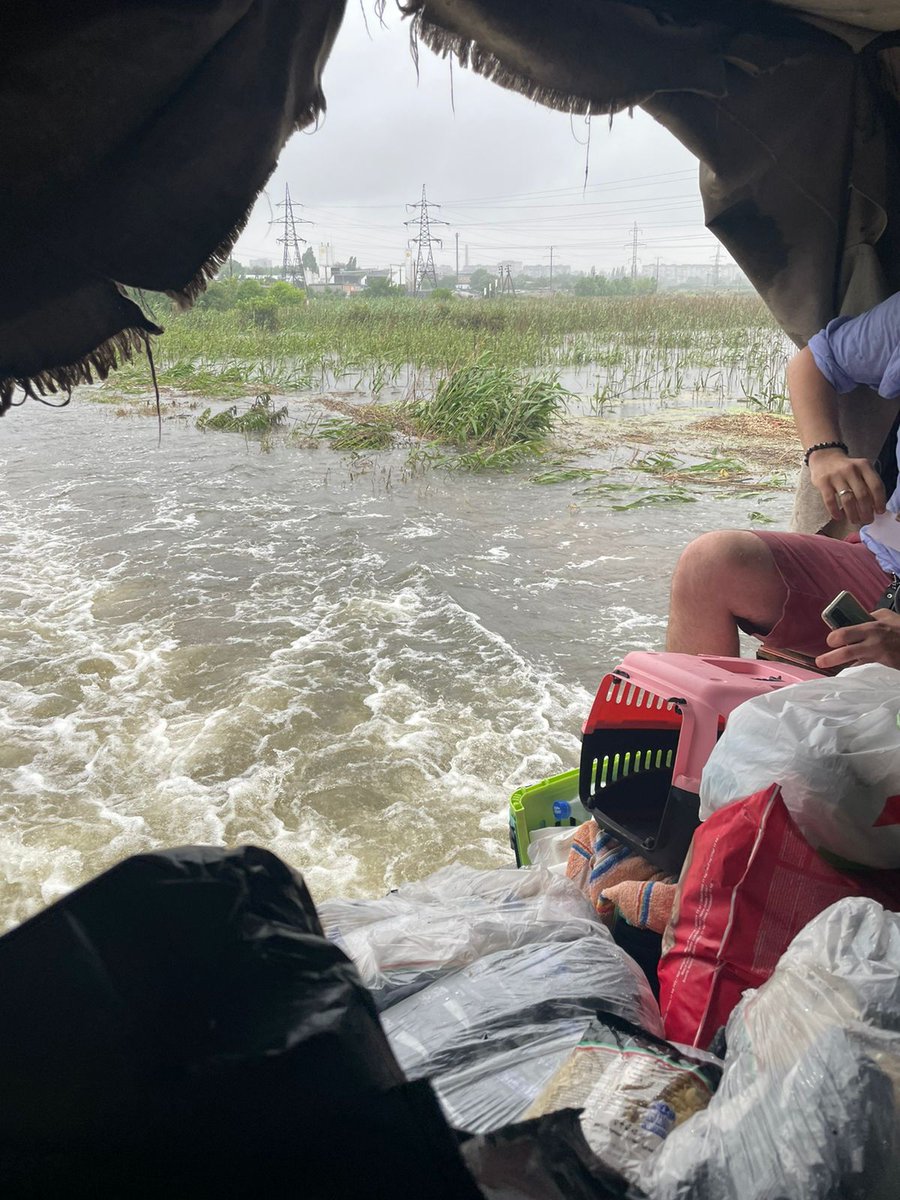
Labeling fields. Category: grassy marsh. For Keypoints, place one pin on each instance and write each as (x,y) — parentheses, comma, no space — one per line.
(658,346)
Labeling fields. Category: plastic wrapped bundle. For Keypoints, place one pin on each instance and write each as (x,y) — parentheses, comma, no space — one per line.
(491,1035)
(411,937)
(808,1105)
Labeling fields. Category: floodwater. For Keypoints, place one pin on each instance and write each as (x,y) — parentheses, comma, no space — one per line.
(221,641)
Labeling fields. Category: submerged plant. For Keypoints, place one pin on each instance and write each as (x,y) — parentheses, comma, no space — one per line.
(601,399)
(773,401)
(500,458)
(568,475)
(712,470)
(646,346)
(261,417)
(367,434)
(654,498)
(486,405)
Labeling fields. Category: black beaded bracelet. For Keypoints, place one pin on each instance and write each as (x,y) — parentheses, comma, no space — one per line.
(823,446)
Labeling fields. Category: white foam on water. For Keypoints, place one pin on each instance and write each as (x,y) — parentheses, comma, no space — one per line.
(168,680)
(601,558)
(415,531)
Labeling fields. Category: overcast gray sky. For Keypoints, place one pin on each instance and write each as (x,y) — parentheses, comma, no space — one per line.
(509,174)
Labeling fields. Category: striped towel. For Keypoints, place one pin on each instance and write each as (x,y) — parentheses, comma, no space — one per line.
(598,863)
(646,904)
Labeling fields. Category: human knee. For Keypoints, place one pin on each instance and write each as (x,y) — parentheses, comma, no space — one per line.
(713,557)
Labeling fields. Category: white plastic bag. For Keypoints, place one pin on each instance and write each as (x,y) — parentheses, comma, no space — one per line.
(809,1103)
(491,1035)
(411,937)
(833,745)
(550,848)
(487,980)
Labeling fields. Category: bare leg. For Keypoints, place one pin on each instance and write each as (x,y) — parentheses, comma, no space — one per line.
(723,582)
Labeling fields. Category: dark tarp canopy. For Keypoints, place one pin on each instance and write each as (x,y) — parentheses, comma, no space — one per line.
(136,134)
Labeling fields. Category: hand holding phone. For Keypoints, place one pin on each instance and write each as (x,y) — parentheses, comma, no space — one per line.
(845,610)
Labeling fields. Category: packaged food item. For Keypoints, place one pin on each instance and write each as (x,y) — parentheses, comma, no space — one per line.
(632,1090)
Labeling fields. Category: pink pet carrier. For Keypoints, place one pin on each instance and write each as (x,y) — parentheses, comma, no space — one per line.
(651,728)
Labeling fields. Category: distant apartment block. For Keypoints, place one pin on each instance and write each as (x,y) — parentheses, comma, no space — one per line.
(542,270)
(705,274)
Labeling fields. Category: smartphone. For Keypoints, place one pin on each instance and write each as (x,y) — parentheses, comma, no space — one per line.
(845,609)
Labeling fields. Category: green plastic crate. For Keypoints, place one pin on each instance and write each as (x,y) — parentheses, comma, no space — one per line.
(531,808)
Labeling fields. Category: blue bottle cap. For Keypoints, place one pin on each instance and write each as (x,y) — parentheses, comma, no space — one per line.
(562,810)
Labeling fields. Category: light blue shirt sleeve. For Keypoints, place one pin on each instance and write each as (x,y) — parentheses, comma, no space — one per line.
(851,351)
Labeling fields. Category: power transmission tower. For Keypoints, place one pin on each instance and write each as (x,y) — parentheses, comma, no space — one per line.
(633,244)
(425,269)
(292,268)
(716,267)
(507,287)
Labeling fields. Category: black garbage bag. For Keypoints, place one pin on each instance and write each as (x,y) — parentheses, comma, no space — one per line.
(180,1026)
(543,1159)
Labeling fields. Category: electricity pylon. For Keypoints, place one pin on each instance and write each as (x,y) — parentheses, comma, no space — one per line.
(634,245)
(292,268)
(425,269)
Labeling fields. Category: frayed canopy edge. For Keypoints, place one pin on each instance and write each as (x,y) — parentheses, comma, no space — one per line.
(96,365)
(468,53)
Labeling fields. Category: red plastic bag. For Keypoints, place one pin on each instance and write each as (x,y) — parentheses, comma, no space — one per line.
(749,884)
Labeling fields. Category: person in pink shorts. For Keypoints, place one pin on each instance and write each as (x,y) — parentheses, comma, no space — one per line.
(775,585)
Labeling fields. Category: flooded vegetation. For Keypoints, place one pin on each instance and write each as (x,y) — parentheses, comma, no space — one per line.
(490,385)
(661,347)
(366,583)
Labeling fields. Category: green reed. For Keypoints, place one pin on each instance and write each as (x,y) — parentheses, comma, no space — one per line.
(488,405)
(645,344)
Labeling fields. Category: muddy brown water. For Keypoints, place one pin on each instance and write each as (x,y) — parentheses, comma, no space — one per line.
(221,641)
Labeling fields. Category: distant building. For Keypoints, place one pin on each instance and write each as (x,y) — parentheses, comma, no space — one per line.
(345,277)
(672,275)
(542,270)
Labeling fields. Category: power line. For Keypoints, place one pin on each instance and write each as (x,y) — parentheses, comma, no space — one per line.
(627,181)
